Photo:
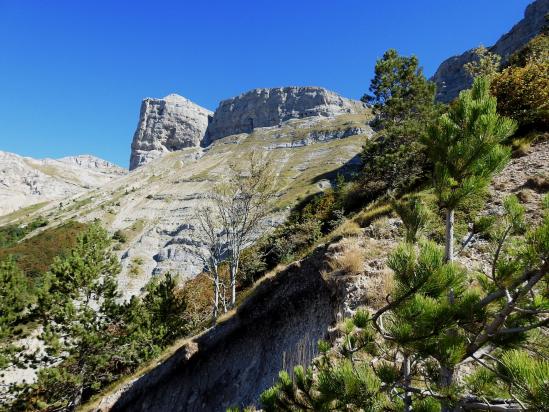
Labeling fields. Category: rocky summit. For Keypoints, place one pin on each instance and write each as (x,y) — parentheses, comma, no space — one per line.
(174,123)
(451,77)
(165,125)
(271,107)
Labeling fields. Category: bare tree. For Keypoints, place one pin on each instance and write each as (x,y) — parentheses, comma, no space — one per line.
(210,234)
(242,203)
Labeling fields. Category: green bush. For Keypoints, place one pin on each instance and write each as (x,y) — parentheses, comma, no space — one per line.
(523,94)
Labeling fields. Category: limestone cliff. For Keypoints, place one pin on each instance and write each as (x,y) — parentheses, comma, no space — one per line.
(451,77)
(271,107)
(165,125)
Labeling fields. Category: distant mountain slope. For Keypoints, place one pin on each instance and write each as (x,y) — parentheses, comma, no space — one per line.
(154,205)
(25,181)
(451,77)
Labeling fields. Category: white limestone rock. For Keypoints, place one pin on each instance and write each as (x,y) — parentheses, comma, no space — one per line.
(25,181)
(165,125)
(271,107)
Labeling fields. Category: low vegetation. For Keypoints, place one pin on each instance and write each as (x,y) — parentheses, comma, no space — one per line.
(87,337)
(408,349)
(439,317)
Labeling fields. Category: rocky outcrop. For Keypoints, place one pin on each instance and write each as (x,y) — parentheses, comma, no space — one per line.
(165,125)
(25,181)
(451,77)
(230,365)
(271,107)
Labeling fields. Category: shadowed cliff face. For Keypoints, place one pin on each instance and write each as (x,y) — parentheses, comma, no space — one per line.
(231,364)
(451,77)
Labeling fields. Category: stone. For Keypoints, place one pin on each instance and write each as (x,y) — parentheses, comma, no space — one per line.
(271,107)
(451,77)
(165,125)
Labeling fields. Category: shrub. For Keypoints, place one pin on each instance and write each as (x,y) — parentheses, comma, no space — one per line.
(523,94)
(536,50)
(34,255)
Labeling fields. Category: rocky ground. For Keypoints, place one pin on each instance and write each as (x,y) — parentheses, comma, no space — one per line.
(25,181)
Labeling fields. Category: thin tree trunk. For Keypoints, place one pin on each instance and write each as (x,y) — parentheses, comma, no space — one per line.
(449,249)
(446,380)
(216,296)
(407,382)
(234,269)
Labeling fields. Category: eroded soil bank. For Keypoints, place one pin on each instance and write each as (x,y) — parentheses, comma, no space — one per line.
(231,364)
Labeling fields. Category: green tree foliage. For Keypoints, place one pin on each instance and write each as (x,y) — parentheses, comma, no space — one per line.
(413,214)
(485,63)
(89,336)
(15,301)
(465,146)
(400,91)
(406,355)
(403,101)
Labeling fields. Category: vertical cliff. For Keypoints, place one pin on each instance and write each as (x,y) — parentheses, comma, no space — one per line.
(165,125)
(271,107)
(451,77)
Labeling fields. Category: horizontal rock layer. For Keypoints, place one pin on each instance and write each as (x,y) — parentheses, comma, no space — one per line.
(271,107)
(174,123)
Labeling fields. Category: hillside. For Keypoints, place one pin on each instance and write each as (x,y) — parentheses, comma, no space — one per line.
(25,181)
(294,250)
(277,327)
(153,205)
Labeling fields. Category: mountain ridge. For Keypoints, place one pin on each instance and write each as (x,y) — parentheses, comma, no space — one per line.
(451,77)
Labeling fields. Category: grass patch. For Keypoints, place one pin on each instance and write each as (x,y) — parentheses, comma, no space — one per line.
(21,213)
(368,215)
(35,255)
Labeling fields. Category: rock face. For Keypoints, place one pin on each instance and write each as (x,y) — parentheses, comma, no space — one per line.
(451,77)
(165,125)
(24,181)
(231,364)
(271,107)
(175,123)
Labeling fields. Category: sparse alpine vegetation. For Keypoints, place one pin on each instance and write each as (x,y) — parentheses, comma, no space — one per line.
(410,236)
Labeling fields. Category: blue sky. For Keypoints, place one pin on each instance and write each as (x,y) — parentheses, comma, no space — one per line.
(73,73)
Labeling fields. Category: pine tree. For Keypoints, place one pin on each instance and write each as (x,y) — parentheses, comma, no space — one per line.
(405,355)
(400,91)
(403,102)
(465,146)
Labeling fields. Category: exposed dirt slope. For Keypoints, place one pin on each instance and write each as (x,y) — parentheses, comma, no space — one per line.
(231,364)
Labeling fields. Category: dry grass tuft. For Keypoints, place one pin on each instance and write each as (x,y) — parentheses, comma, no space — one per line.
(350,260)
(379,286)
(349,228)
(367,216)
